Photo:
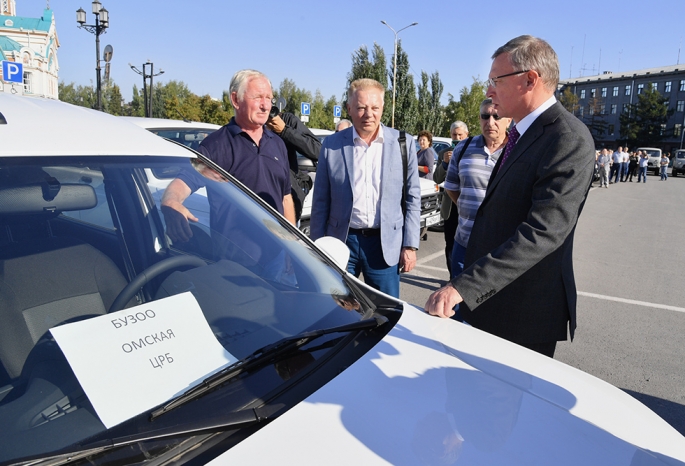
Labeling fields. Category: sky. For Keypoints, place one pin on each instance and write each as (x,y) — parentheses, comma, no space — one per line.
(204,42)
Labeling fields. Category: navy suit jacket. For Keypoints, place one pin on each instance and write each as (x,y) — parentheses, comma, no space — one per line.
(332,198)
(518,281)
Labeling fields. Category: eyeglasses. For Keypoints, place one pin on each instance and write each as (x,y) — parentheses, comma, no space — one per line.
(493,81)
(486,116)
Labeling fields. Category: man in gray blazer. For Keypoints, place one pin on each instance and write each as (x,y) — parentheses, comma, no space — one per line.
(518,280)
(358,193)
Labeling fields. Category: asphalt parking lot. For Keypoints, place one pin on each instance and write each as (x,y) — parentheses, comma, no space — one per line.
(628,258)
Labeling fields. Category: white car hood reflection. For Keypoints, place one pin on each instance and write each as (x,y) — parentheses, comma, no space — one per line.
(440,392)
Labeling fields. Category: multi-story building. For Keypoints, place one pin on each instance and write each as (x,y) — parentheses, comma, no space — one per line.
(610,94)
(32,42)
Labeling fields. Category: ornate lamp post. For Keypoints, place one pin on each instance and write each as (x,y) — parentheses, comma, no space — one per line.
(100,27)
(146,75)
(394,68)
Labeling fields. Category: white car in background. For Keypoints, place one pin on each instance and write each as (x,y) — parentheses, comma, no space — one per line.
(250,344)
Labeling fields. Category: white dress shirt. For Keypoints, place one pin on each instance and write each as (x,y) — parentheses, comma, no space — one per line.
(366,181)
(527,121)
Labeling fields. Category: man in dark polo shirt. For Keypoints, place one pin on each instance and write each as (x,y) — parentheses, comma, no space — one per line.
(246,149)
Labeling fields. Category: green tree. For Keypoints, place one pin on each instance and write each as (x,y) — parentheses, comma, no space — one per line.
(321,115)
(467,109)
(293,95)
(373,67)
(569,100)
(112,101)
(430,110)
(137,106)
(643,124)
(83,96)
(406,103)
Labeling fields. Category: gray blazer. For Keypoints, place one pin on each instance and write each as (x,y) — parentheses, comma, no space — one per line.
(332,198)
(518,281)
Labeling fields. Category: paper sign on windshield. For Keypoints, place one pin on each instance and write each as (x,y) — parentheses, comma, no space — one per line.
(130,361)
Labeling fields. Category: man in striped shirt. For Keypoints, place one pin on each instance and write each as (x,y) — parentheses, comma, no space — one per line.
(468,176)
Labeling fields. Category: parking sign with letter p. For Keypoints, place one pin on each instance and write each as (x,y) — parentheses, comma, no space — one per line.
(12,72)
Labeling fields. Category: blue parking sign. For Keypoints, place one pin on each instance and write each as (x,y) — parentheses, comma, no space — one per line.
(12,72)
(337,111)
(304,108)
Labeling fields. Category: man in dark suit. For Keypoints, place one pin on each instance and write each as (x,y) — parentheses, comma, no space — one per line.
(518,280)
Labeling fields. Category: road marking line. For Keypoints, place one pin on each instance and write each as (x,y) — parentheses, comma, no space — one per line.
(435,255)
(632,301)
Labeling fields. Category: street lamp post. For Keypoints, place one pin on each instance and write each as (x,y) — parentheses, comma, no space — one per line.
(394,68)
(147,98)
(100,27)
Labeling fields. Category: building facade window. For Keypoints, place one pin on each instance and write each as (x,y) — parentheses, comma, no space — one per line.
(580,111)
(27,83)
(611,130)
(590,110)
(663,129)
(582,93)
(682,84)
(628,89)
(604,92)
(640,88)
(593,93)
(615,94)
(667,86)
(677,129)
(603,109)
(680,106)
(625,108)
(655,86)
(613,109)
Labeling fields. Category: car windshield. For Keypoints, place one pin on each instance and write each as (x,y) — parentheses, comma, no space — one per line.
(680,155)
(653,153)
(74,231)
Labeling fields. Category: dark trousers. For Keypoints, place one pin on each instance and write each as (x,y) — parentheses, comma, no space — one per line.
(450,229)
(614,172)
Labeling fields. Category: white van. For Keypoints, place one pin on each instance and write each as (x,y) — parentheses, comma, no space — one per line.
(678,162)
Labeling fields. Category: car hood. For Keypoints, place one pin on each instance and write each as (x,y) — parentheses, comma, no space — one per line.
(437,391)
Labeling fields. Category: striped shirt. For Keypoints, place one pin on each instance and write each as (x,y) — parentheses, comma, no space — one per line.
(471,178)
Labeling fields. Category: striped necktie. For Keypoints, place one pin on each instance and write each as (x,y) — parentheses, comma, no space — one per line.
(513,137)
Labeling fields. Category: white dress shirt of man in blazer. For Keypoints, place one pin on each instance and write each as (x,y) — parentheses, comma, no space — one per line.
(518,280)
(359,183)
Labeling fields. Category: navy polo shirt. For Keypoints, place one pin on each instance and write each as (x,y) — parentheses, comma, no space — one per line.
(263,169)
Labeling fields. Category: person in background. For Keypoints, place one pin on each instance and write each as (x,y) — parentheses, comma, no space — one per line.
(297,139)
(358,196)
(616,159)
(664,167)
(458,131)
(643,162)
(426,155)
(342,124)
(632,165)
(603,162)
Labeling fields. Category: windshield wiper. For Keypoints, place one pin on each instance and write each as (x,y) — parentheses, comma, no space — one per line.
(258,358)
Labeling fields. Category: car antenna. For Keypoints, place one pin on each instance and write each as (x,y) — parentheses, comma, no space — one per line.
(182,117)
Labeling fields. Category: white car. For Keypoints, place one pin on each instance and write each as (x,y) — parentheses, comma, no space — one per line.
(123,343)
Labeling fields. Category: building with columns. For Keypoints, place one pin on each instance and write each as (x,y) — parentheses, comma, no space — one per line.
(32,42)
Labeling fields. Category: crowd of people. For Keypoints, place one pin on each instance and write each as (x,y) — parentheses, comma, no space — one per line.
(515,192)
(623,165)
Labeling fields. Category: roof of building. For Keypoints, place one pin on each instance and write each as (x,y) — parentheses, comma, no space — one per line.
(9,45)
(28,24)
(609,76)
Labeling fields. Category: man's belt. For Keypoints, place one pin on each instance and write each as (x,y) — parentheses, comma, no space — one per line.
(365,231)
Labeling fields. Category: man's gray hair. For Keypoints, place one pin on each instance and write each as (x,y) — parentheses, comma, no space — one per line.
(240,80)
(532,53)
(343,122)
(459,124)
(365,83)
(486,103)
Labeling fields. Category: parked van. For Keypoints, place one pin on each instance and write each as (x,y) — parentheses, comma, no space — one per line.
(654,163)
(678,162)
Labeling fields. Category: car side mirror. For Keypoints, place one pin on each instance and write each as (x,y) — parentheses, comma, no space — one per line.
(335,249)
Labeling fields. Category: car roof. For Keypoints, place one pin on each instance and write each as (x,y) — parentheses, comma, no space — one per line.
(34,126)
(320,132)
(163,123)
